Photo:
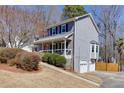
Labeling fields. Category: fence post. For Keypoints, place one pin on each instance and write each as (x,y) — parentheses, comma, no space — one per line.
(106,66)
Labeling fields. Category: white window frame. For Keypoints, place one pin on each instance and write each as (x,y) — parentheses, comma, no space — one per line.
(97,48)
(93,54)
(97,52)
(54,29)
(92,48)
(64,25)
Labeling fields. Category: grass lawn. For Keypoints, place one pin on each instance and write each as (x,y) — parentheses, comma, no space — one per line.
(46,77)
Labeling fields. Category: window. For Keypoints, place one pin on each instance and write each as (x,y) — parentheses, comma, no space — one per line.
(54,30)
(96,49)
(92,48)
(63,28)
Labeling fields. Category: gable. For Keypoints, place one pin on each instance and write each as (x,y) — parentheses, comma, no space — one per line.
(91,18)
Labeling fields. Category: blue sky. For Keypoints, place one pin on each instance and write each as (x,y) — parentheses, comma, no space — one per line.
(88,9)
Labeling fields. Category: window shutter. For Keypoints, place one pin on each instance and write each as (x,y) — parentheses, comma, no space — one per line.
(60,29)
(50,31)
(66,27)
(56,30)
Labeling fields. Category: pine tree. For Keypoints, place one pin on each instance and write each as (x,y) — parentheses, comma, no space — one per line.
(71,11)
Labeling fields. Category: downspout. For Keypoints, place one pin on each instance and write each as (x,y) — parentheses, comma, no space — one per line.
(73,44)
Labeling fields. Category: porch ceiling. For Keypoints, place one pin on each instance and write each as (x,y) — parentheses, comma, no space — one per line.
(54,38)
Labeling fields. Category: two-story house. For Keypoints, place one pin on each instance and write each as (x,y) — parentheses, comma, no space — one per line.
(76,39)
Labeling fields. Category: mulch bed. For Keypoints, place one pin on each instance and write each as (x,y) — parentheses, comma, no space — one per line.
(16,70)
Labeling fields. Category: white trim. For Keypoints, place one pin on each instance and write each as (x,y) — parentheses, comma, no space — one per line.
(97,53)
(68,20)
(92,19)
(95,50)
(64,25)
(76,18)
(52,46)
(54,38)
(53,29)
(94,55)
(65,47)
(50,50)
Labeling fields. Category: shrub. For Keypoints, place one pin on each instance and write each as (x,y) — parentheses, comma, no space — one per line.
(121,63)
(3,60)
(12,62)
(54,59)
(27,61)
(46,57)
(9,53)
(41,54)
(60,61)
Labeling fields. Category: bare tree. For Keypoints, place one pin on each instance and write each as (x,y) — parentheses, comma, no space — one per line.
(19,26)
(47,15)
(15,26)
(108,22)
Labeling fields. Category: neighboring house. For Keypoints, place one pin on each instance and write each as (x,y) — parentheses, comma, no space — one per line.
(76,39)
(28,48)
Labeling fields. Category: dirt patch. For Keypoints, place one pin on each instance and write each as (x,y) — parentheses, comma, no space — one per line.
(6,67)
(47,78)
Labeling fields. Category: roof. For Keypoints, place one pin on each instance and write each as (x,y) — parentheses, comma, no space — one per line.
(54,38)
(75,19)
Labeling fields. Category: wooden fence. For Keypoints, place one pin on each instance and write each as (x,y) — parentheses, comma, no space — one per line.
(102,66)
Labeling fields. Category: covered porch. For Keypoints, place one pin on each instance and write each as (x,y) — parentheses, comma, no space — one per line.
(60,44)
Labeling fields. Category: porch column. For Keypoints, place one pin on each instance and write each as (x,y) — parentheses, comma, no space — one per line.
(42,47)
(65,47)
(52,46)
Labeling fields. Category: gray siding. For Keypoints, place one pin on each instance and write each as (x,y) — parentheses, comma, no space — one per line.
(69,63)
(70,45)
(70,26)
(84,33)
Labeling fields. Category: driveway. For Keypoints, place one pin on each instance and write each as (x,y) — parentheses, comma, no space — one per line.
(106,79)
(112,80)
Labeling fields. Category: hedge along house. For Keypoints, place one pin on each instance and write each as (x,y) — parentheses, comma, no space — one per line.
(76,39)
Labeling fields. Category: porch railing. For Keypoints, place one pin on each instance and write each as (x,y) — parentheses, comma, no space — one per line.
(59,51)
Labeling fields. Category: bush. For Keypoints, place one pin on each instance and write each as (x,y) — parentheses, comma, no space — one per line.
(27,61)
(8,53)
(121,63)
(60,61)
(54,59)
(12,62)
(3,60)
(46,57)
